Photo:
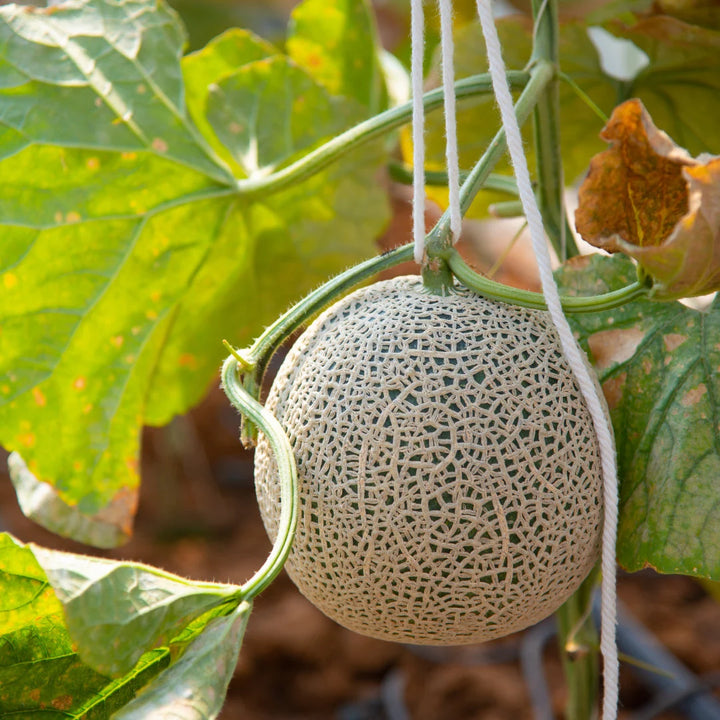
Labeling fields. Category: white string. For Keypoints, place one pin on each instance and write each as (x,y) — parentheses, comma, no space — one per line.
(572,353)
(417,37)
(451,146)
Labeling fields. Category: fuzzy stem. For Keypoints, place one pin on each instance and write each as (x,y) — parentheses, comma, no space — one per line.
(364,132)
(578,641)
(287,472)
(255,359)
(403,174)
(525,298)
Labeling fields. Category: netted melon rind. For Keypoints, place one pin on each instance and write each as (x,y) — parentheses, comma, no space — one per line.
(449,477)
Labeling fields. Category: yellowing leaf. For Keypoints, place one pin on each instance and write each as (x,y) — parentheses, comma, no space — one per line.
(128,252)
(646,197)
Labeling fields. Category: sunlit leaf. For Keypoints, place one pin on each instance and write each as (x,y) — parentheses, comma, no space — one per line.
(98,74)
(125,264)
(335,41)
(221,57)
(268,111)
(659,365)
(194,687)
(116,611)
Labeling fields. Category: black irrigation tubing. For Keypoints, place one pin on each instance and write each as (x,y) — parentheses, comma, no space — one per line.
(673,684)
(392,694)
(673,679)
(502,651)
(532,647)
(669,700)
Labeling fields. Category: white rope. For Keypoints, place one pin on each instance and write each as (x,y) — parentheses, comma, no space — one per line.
(417,37)
(451,146)
(572,353)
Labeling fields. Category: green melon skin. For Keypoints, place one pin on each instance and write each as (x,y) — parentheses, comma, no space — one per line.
(449,474)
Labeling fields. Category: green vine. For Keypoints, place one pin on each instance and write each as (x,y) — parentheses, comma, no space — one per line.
(251,363)
(366,131)
(525,298)
(249,407)
(438,240)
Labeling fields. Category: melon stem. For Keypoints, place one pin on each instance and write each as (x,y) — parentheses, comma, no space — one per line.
(253,361)
(250,408)
(439,239)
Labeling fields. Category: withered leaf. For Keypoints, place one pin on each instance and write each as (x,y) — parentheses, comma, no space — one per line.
(646,197)
(688,262)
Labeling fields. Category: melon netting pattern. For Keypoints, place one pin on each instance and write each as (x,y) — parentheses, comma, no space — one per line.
(449,479)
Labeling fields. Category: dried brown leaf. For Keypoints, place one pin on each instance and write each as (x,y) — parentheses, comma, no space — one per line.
(688,262)
(634,190)
(646,197)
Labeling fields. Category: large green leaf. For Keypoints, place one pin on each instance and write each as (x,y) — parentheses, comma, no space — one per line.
(335,41)
(282,244)
(87,301)
(123,265)
(100,74)
(126,607)
(681,85)
(659,364)
(268,111)
(194,687)
(219,58)
(51,670)
(40,671)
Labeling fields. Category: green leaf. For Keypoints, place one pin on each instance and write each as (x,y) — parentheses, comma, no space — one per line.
(478,119)
(95,269)
(336,42)
(269,111)
(116,611)
(681,86)
(40,672)
(659,364)
(98,74)
(194,687)
(123,267)
(220,58)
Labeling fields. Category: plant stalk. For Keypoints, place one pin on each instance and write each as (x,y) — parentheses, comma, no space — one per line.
(577,633)
(578,641)
(572,305)
(403,174)
(364,132)
(546,127)
(438,239)
(287,472)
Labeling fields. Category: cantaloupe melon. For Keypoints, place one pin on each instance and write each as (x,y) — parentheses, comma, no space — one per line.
(449,478)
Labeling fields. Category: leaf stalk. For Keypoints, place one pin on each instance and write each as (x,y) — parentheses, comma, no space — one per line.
(287,472)
(365,132)
(525,298)
(438,239)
